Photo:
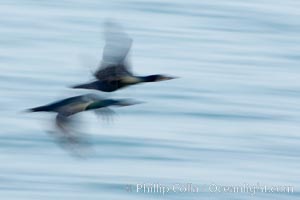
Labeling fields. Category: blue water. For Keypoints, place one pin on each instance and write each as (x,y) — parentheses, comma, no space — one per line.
(231,119)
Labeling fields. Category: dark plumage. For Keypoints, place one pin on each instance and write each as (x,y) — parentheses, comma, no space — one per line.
(114,72)
(73,105)
(70,106)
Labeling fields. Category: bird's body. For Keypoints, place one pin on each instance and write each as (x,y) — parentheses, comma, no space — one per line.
(67,107)
(110,79)
(125,81)
(73,105)
(114,72)
(102,85)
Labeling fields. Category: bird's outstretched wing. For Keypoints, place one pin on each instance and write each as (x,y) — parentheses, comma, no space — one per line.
(107,114)
(114,62)
(64,121)
(67,137)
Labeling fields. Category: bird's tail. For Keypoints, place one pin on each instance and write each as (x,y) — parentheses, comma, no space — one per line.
(38,109)
(84,86)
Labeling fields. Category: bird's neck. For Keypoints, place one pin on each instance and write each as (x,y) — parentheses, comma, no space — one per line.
(150,78)
(95,105)
(130,80)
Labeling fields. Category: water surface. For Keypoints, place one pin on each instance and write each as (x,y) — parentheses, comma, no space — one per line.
(231,119)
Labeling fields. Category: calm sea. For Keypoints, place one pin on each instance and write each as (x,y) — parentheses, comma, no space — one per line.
(230,121)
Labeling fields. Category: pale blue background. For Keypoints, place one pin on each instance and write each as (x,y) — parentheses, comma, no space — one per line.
(232,118)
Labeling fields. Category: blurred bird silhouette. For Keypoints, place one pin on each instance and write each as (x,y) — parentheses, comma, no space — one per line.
(114,71)
(68,107)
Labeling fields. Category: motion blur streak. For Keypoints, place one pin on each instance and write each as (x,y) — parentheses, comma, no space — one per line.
(232,117)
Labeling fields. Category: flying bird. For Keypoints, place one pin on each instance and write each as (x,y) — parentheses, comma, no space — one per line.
(66,108)
(114,71)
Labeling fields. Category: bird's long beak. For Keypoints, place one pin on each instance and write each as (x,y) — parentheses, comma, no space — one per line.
(129,102)
(165,78)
